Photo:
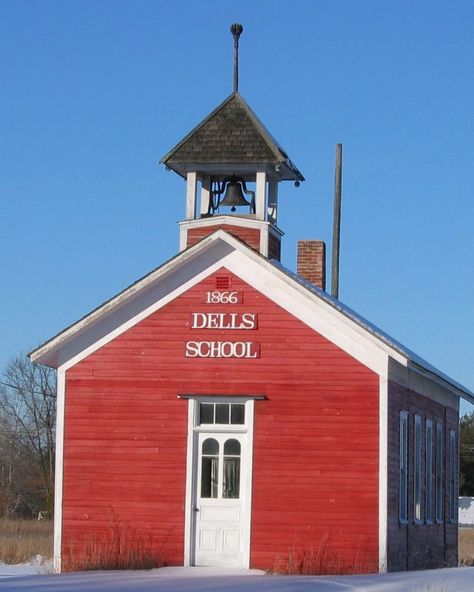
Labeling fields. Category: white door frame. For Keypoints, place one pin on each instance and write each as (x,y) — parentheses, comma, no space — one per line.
(191,474)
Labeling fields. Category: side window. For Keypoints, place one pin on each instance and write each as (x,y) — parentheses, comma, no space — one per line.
(439,472)
(429,471)
(403,486)
(417,471)
(453,471)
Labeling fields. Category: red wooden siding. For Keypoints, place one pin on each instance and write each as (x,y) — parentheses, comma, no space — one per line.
(250,236)
(315,477)
(418,546)
(274,247)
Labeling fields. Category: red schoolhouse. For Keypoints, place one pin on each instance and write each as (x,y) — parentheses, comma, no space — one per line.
(226,411)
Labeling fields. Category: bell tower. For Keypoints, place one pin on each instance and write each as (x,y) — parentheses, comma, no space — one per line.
(233,168)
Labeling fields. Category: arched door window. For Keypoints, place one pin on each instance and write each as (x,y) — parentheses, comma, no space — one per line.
(210,468)
(231,476)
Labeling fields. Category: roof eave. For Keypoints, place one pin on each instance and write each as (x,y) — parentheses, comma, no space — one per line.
(280,170)
(442,379)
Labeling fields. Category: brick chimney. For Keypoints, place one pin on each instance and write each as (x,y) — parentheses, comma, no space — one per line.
(311,264)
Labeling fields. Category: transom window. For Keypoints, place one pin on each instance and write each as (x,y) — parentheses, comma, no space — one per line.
(221,413)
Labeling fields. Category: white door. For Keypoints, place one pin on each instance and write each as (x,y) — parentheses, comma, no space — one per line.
(219,505)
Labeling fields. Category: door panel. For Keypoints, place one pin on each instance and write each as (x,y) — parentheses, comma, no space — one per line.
(219,519)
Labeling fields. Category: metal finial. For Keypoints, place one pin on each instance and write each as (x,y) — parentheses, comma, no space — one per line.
(236,30)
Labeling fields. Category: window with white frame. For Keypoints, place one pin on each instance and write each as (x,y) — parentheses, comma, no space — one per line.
(439,473)
(453,471)
(417,471)
(429,471)
(403,486)
(222,413)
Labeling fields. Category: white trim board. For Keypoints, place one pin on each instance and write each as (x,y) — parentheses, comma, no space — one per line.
(383,473)
(59,469)
(190,485)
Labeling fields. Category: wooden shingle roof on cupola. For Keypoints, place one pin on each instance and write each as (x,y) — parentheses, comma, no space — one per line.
(231,135)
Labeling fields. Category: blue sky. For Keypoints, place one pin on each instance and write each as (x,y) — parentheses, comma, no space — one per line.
(94,93)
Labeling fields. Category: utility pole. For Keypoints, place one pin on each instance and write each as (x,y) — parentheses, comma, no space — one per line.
(336,229)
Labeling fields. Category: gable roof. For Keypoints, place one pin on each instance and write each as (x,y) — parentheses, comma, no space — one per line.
(197,262)
(231,134)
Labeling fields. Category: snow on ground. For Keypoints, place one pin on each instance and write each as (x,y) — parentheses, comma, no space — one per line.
(213,580)
(37,565)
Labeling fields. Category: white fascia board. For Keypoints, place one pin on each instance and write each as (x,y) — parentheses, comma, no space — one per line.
(59,464)
(383,473)
(219,220)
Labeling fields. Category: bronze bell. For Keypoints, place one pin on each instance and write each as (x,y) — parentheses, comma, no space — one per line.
(234,196)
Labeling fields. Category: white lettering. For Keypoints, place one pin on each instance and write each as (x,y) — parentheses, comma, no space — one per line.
(223,297)
(192,349)
(222,349)
(248,350)
(199,320)
(249,321)
(227,349)
(223,320)
(212,320)
(214,349)
(240,349)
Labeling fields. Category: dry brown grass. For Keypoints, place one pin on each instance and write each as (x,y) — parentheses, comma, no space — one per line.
(117,548)
(466,546)
(21,540)
(320,560)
